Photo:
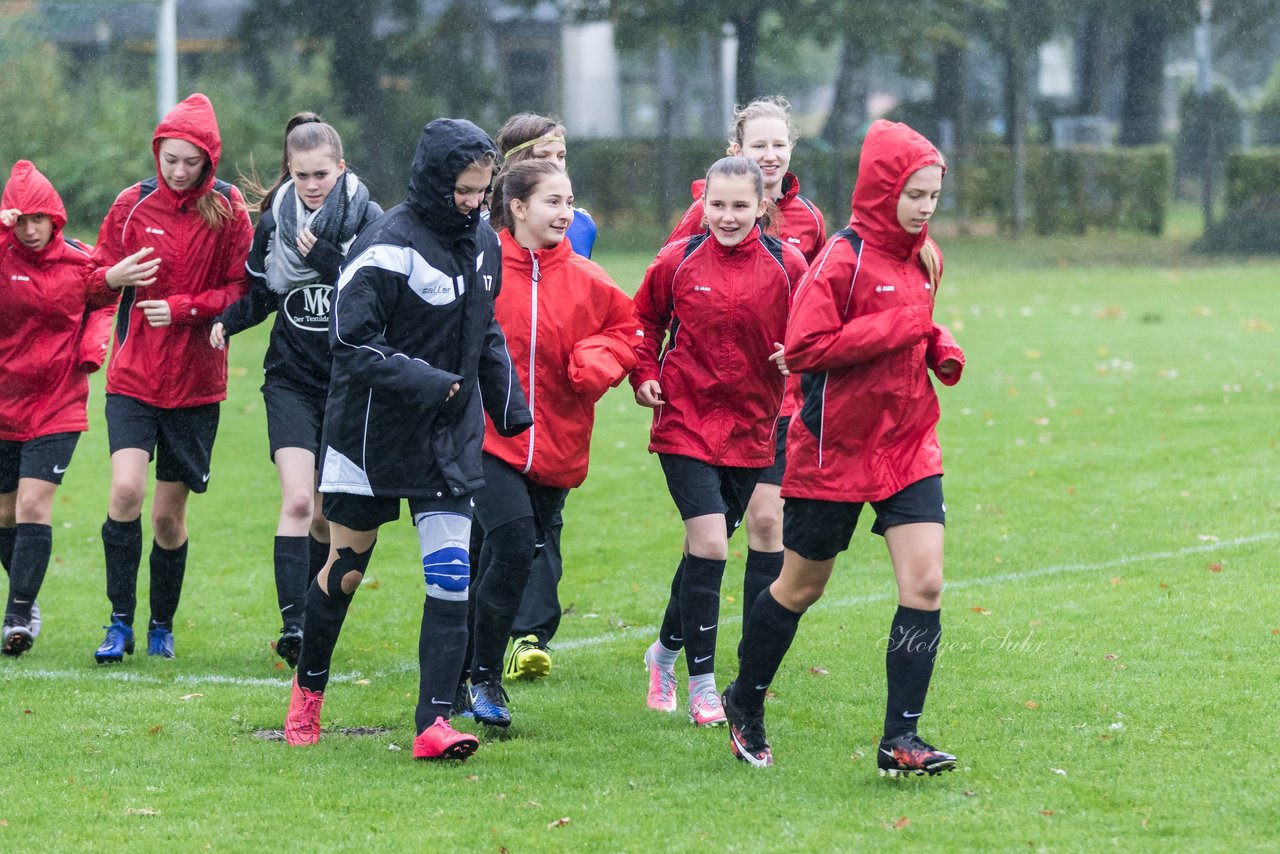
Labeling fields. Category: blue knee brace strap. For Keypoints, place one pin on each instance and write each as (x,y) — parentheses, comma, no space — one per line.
(446,564)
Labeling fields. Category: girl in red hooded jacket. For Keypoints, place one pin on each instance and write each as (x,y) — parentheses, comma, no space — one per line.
(862,336)
(762,131)
(716,391)
(572,334)
(54,327)
(175,247)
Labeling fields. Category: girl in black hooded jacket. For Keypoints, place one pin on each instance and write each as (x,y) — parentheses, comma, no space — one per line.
(417,360)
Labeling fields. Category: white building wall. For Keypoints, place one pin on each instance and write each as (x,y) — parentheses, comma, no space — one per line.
(592,104)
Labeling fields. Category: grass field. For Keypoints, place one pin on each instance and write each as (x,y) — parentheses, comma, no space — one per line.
(1108,667)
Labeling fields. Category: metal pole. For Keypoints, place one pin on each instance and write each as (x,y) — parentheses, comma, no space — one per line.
(166,57)
(1204,89)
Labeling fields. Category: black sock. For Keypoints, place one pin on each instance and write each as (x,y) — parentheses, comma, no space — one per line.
(498,597)
(317,557)
(479,554)
(700,612)
(32,545)
(764,644)
(122,545)
(168,568)
(671,634)
(6,547)
(441,645)
(325,614)
(292,555)
(763,568)
(908,664)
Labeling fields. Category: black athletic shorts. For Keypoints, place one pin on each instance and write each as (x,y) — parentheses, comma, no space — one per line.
(370,512)
(773,474)
(700,489)
(820,530)
(294,418)
(507,495)
(180,440)
(42,458)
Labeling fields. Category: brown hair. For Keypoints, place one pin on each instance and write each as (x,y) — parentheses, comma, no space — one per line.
(518,180)
(771,107)
(736,165)
(305,131)
(525,127)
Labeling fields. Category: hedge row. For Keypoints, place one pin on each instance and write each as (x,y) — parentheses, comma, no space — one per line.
(1251,174)
(1068,191)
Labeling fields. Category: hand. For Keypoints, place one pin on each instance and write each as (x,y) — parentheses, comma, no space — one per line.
(133,272)
(779,359)
(156,311)
(218,336)
(649,394)
(9,217)
(306,240)
(948,369)
(453,389)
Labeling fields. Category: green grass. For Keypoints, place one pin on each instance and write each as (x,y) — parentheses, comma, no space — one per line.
(1107,675)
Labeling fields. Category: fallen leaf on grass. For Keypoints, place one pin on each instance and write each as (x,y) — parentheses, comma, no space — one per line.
(1111,656)
(1046,812)
(3,823)
(28,711)
(141,811)
(156,730)
(819,671)
(1253,324)
(969,793)
(560,822)
(978,609)
(901,823)
(474,778)
(362,682)
(1215,567)
(1275,631)
(1117,581)
(1033,705)
(279,665)
(854,757)
(191,696)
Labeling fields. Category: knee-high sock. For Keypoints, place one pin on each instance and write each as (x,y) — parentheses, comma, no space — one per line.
(764,644)
(292,558)
(441,645)
(317,557)
(122,546)
(31,549)
(499,594)
(671,634)
(6,547)
(763,568)
(325,614)
(700,612)
(478,553)
(168,568)
(913,646)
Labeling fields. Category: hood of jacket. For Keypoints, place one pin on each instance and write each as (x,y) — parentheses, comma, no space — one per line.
(29,191)
(445,150)
(891,153)
(191,120)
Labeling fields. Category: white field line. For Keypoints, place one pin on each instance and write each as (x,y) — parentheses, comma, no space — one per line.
(120,673)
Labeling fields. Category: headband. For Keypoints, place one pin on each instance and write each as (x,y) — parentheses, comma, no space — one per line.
(522,146)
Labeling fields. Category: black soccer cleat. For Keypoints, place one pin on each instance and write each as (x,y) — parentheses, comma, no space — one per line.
(908,754)
(289,646)
(746,732)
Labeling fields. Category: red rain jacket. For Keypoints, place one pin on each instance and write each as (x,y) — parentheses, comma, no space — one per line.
(798,220)
(572,334)
(201,273)
(725,307)
(54,324)
(862,332)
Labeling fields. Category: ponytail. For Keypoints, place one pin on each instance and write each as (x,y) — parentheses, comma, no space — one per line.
(932,262)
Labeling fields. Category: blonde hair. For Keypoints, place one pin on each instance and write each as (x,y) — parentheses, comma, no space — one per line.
(932,261)
(771,107)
